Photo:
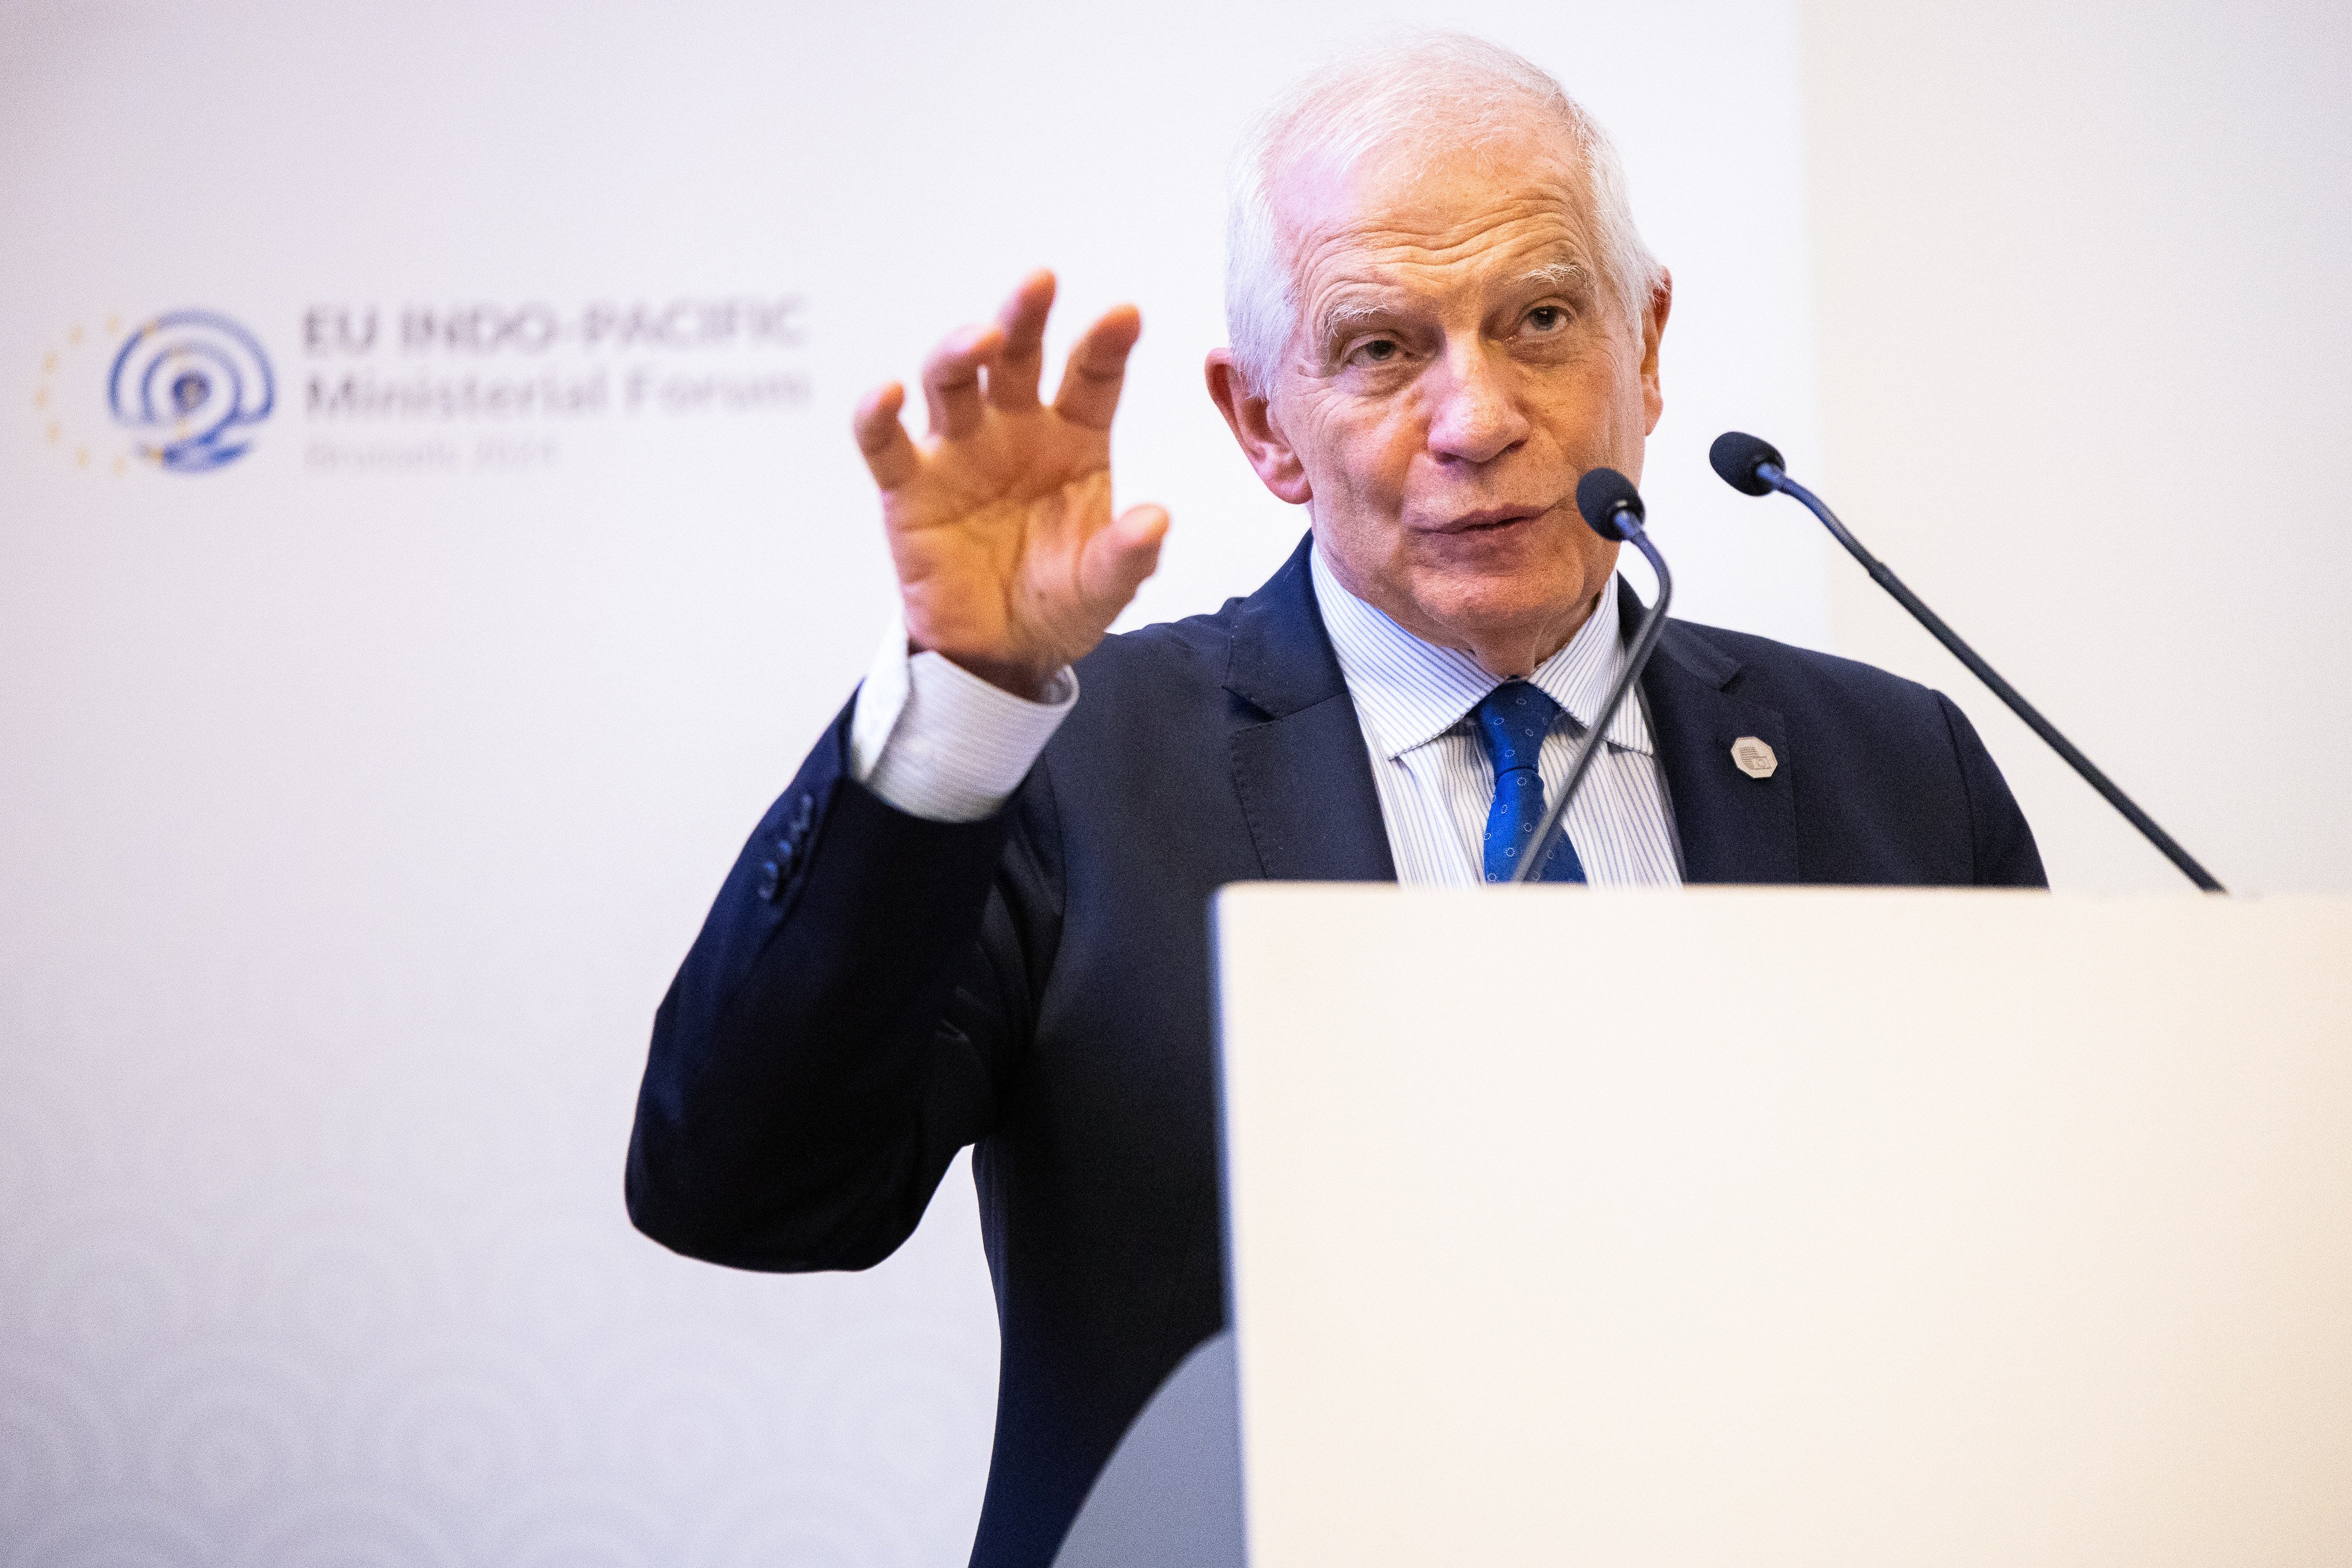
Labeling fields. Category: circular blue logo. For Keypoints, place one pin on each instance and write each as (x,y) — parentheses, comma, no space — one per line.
(194,385)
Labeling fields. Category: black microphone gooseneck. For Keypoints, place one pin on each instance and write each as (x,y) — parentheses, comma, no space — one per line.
(1753,467)
(1612,508)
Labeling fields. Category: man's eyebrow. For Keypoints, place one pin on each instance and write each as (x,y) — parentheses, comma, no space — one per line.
(1345,314)
(1559,277)
(1565,277)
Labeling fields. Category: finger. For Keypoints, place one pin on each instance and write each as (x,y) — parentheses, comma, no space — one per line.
(890,458)
(951,379)
(1116,561)
(1089,393)
(1013,375)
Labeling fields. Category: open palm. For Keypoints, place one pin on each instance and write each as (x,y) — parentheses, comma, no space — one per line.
(1009,559)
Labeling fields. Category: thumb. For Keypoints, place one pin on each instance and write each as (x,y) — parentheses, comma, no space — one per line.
(1118,559)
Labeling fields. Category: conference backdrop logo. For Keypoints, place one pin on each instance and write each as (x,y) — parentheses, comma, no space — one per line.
(413,389)
(190,385)
(182,393)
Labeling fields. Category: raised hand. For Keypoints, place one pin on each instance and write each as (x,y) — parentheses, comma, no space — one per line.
(1000,524)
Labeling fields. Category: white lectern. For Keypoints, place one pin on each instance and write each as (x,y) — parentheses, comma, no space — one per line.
(1819,1228)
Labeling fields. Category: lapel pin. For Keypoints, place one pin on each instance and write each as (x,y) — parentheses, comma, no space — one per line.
(1754,758)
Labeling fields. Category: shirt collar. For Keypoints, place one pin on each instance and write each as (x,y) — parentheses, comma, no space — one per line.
(1412,692)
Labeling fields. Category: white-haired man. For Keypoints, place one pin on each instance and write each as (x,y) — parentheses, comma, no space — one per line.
(977,916)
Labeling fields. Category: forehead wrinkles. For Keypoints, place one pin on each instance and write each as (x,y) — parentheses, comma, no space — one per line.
(1364,248)
(1374,257)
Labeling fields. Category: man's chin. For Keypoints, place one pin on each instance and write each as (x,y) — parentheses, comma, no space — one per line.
(1482,609)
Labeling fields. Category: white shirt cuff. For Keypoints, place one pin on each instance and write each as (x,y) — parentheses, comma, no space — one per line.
(937,741)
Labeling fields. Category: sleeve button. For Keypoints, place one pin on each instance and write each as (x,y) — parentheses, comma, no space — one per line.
(771,878)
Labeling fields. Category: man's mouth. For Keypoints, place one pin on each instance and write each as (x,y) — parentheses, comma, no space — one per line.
(1489,518)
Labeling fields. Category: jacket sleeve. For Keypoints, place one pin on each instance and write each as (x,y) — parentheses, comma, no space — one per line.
(2003,847)
(840,1028)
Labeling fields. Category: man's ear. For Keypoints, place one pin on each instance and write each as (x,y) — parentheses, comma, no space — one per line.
(1251,423)
(1653,330)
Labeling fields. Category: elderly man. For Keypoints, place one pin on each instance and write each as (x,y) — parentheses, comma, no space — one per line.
(978,914)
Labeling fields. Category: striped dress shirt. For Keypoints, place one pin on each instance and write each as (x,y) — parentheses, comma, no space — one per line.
(1436,783)
(937,741)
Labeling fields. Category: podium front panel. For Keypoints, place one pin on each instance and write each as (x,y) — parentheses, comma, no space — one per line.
(1761,1227)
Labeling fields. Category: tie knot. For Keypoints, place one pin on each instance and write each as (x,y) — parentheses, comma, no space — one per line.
(1513,718)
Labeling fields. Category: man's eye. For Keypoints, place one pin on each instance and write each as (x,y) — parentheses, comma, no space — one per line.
(1548,317)
(1378,351)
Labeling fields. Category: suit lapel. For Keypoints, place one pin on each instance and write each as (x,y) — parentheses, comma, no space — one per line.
(1733,828)
(1305,779)
(1300,767)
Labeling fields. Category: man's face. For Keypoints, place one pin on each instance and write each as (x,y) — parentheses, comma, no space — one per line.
(1456,366)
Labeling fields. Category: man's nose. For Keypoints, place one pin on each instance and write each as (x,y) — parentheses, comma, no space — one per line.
(1477,416)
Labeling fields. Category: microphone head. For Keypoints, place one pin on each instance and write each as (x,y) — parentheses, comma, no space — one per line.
(1736,454)
(1602,494)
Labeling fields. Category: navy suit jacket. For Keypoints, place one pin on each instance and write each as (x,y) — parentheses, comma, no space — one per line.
(872,992)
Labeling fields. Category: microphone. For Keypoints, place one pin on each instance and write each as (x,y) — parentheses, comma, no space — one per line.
(1753,467)
(1612,508)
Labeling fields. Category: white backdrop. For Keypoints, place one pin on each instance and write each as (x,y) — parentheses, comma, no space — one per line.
(2085,313)
(359,794)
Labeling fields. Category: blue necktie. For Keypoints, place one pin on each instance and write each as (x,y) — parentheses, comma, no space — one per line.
(1513,718)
